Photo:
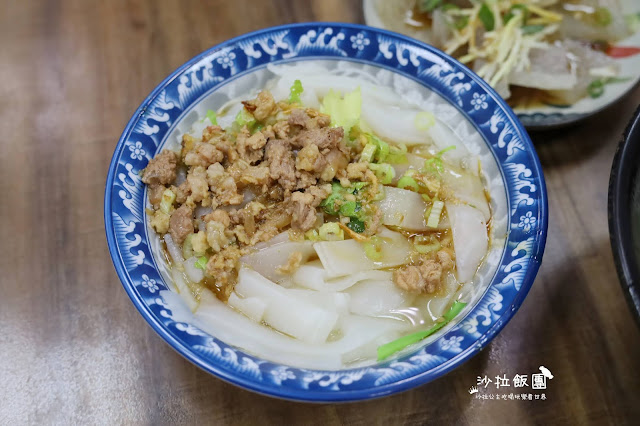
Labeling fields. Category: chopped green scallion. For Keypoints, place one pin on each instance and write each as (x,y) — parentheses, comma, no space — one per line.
(166,204)
(373,248)
(201,263)
(295,92)
(213,118)
(384,172)
(331,231)
(433,218)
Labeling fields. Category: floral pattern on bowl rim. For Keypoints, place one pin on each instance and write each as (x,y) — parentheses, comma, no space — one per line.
(501,130)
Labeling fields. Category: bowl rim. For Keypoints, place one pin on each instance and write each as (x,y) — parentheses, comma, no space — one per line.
(624,170)
(342,395)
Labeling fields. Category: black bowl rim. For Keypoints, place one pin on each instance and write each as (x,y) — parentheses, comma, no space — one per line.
(623,171)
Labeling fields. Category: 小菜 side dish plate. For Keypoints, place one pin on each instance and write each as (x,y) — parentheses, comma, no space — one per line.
(325,212)
(554,61)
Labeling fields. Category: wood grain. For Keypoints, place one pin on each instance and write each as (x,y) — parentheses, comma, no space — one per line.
(73,350)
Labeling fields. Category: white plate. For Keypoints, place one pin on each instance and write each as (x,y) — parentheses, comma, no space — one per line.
(557,116)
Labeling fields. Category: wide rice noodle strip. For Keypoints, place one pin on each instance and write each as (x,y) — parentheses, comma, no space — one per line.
(413,162)
(377,297)
(470,239)
(341,258)
(284,311)
(174,251)
(267,261)
(403,208)
(468,188)
(252,307)
(443,137)
(221,321)
(183,289)
(314,277)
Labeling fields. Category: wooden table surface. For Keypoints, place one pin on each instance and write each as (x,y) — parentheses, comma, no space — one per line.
(73,350)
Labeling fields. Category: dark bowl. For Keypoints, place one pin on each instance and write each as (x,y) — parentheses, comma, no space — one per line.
(624,213)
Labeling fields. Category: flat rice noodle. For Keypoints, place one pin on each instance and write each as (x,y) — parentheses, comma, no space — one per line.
(252,307)
(467,188)
(334,302)
(174,251)
(284,311)
(470,240)
(394,123)
(443,137)
(221,321)
(413,162)
(341,258)
(183,289)
(376,297)
(403,208)
(267,261)
(314,277)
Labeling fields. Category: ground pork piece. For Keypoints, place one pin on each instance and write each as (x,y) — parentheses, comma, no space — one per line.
(261,107)
(281,163)
(162,169)
(218,215)
(182,192)
(431,271)
(357,171)
(336,161)
(303,213)
(310,159)
(226,192)
(181,224)
(250,147)
(215,172)
(445,258)
(325,138)
(268,132)
(308,119)
(155,193)
(223,265)
(319,193)
(298,117)
(409,279)
(199,242)
(255,175)
(216,237)
(203,155)
(160,222)
(197,179)
(264,233)
(228,149)
(426,275)
(210,131)
(305,179)
(293,263)
(188,144)
(281,129)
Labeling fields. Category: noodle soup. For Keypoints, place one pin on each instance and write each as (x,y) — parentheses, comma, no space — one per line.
(325,216)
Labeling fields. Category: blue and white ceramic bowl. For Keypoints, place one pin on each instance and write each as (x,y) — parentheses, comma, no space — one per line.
(486,125)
